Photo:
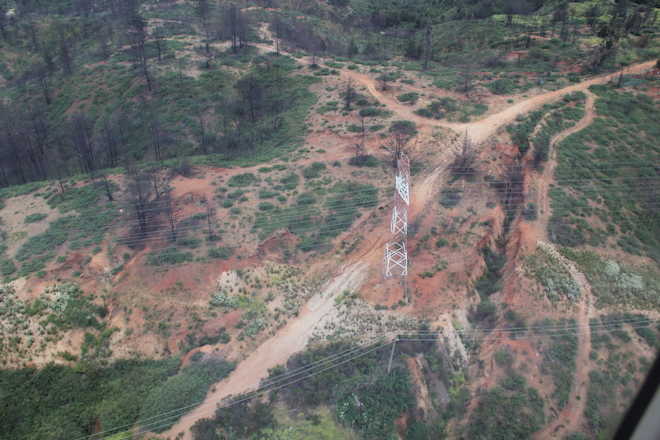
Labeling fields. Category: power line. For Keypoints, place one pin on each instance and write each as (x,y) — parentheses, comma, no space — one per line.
(406,337)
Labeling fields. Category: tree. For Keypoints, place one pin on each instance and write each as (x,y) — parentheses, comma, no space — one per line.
(210,213)
(139,194)
(349,94)
(172,212)
(138,36)
(592,15)
(65,51)
(401,132)
(353,48)
(110,143)
(203,10)
(3,21)
(463,164)
(235,26)
(428,45)
(81,132)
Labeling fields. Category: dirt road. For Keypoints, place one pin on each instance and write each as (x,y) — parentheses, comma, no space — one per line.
(569,418)
(275,351)
(295,335)
(483,129)
(541,225)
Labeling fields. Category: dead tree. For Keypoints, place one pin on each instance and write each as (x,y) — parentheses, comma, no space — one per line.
(139,192)
(349,94)
(171,211)
(210,212)
(138,35)
(463,164)
(83,144)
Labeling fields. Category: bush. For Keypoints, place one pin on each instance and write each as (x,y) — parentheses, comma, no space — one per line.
(7,267)
(266,206)
(221,253)
(169,256)
(266,194)
(365,160)
(371,112)
(410,98)
(502,86)
(407,128)
(187,388)
(530,212)
(306,199)
(314,170)
(290,181)
(504,358)
(189,242)
(242,180)
(484,314)
(450,197)
(34,218)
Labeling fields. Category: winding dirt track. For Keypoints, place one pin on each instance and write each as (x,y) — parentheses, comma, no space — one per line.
(294,336)
(483,129)
(567,421)
(549,171)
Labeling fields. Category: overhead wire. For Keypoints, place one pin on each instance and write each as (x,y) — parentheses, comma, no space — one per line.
(283,380)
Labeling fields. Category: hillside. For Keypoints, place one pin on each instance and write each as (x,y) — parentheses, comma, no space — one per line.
(197,197)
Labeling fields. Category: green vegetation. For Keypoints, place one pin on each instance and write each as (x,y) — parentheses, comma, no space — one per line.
(604,172)
(490,282)
(243,180)
(168,256)
(452,110)
(559,357)
(552,276)
(409,98)
(371,409)
(221,253)
(34,218)
(451,197)
(65,402)
(85,228)
(188,387)
(613,283)
(314,170)
(510,410)
(317,221)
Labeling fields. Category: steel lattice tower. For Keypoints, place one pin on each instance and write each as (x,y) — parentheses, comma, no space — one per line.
(396,255)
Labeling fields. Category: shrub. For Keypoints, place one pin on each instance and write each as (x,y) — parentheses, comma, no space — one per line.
(168,256)
(34,218)
(365,160)
(502,86)
(7,267)
(266,206)
(407,128)
(314,170)
(290,181)
(187,388)
(530,212)
(189,242)
(450,197)
(306,199)
(242,180)
(411,98)
(266,194)
(221,253)
(504,358)
(371,112)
